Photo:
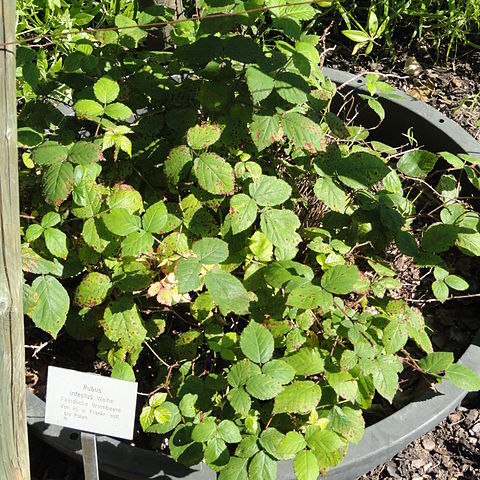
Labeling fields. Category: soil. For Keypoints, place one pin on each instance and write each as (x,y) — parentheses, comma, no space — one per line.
(452,450)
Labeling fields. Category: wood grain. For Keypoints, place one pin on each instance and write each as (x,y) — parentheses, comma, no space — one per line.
(14,463)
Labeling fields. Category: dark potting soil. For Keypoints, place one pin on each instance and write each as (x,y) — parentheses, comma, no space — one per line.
(452,450)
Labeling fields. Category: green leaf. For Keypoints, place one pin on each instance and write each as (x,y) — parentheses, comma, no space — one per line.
(155,218)
(291,444)
(280,370)
(235,470)
(306,361)
(229,432)
(280,226)
(157,399)
(456,282)
(124,196)
(96,235)
(436,362)
(106,89)
(361,170)
(440,290)
(240,372)
(385,378)
(263,387)
(292,88)
(261,247)
(178,164)
(298,397)
(310,296)
(85,153)
(262,467)
(182,448)
(240,401)
(123,324)
(270,439)
(187,273)
(439,237)
(92,290)
(173,416)
(129,36)
(214,174)
(306,466)
(469,243)
(88,108)
(52,304)
(34,263)
(248,447)
(343,279)
(217,454)
(303,132)
(137,243)
(56,242)
(200,137)
(257,343)
(259,83)
(227,292)
(120,222)
(50,219)
(33,232)
(323,440)
(146,417)
(50,153)
(57,183)
(418,163)
(205,430)
(243,212)
(123,371)
(357,36)
(348,423)
(118,111)
(462,377)
(265,130)
(269,191)
(395,336)
(162,415)
(210,250)
(330,194)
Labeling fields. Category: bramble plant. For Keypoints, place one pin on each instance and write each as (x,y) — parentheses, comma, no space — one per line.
(202,207)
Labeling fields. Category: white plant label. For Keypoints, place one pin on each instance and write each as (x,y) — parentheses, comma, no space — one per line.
(91,403)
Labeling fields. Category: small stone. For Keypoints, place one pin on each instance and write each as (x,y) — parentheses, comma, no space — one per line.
(455,417)
(412,67)
(457,82)
(471,417)
(428,444)
(476,429)
(473,440)
(417,477)
(447,461)
(418,463)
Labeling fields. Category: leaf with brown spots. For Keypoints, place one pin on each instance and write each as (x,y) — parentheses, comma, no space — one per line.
(303,132)
(57,183)
(123,324)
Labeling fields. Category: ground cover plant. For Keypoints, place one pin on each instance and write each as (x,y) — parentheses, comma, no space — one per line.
(202,209)
(371,24)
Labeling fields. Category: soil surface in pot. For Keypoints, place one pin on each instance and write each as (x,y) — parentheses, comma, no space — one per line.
(452,450)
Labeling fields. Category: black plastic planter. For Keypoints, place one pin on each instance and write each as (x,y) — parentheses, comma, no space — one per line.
(382,440)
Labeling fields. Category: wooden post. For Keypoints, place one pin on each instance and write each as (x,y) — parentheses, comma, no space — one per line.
(14,462)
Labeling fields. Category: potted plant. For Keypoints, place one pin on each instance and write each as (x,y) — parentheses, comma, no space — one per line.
(206,215)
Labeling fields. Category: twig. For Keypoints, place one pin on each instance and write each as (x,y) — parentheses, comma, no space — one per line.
(453,297)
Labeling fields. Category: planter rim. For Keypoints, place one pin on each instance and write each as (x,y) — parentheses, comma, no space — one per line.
(381,441)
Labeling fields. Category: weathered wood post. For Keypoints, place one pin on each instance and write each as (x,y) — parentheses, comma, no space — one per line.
(14,462)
